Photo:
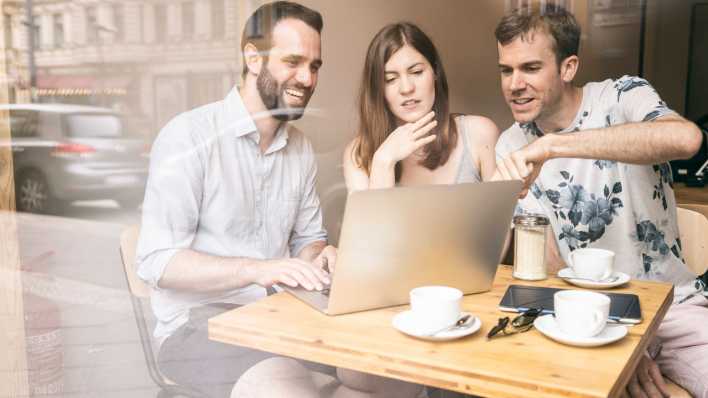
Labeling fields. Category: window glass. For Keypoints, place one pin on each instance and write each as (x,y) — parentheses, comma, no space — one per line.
(91,25)
(188,19)
(23,124)
(93,126)
(160,23)
(217,19)
(118,22)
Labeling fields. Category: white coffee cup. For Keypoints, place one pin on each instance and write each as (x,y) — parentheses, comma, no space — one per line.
(581,313)
(594,264)
(435,307)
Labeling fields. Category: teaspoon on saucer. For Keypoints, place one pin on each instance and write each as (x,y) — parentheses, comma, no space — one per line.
(608,280)
(459,324)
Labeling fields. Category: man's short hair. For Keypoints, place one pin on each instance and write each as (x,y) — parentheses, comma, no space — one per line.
(552,19)
(259,26)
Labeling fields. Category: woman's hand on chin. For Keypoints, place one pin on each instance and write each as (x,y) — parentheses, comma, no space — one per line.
(407,139)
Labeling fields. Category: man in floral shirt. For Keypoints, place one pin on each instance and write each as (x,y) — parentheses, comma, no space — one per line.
(594,161)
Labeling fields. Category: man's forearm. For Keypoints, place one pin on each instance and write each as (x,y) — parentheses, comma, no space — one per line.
(311,251)
(638,143)
(192,271)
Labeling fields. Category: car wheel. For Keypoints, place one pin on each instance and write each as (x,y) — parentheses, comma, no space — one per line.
(32,193)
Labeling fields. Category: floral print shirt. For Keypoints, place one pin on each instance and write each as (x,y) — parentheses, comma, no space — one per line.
(627,208)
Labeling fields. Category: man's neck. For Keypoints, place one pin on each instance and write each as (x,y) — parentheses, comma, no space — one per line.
(266,124)
(566,110)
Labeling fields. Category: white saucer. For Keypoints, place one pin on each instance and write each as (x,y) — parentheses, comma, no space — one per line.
(567,275)
(405,323)
(547,325)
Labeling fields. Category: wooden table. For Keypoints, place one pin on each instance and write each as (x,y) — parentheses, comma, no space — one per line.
(690,195)
(522,365)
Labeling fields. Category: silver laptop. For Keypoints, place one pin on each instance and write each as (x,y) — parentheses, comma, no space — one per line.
(393,240)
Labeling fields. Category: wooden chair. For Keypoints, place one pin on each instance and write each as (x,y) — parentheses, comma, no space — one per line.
(140,295)
(693,227)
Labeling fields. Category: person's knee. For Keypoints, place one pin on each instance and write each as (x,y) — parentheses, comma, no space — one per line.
(377,386)
(357,380)
(281,377)
(701,331)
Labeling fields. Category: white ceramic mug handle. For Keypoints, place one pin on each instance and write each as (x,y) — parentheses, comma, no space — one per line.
(570,260)
(598,322)
(607,274)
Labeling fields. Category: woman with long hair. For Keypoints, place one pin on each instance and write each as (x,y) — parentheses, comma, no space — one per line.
(407,135)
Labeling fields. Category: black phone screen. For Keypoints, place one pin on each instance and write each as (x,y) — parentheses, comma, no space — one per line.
(624,307)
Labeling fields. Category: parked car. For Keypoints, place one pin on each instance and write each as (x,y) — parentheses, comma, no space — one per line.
(63,153)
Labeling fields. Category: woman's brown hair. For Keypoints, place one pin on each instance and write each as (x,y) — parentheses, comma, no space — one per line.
(376,121)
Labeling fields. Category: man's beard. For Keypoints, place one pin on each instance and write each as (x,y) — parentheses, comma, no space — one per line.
(272,95)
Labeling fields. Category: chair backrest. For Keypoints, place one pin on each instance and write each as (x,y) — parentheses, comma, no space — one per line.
(140,293)
(693,227)
(128,244)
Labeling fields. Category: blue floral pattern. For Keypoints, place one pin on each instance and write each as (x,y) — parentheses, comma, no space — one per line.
(532,129)
(664,172)
(628,83)
(605,164)
(654,244)
(585,215)
(536,191)
(601,203)
(659,110)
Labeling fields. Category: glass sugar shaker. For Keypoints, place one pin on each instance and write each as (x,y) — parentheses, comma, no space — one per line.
(530,247)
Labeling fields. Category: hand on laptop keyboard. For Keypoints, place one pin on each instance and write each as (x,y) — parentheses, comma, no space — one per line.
(292,272)
(327,259)
(325,267)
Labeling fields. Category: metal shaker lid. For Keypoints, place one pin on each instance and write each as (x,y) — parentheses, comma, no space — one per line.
(531,220)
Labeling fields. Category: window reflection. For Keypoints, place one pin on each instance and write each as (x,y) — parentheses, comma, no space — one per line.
(131,66)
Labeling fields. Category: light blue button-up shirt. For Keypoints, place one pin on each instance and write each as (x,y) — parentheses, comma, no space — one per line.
(210,189)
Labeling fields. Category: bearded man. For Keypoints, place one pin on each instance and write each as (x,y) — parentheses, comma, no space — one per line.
(230,206)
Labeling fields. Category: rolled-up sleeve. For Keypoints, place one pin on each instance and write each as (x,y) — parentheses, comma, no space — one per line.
(639,101)
(308,225)
(172,198)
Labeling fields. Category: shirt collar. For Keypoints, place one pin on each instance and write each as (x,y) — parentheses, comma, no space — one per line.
(236,118)
(532,130)
(281,139)
(241,124)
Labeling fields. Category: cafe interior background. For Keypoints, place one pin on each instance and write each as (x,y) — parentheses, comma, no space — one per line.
(66,319)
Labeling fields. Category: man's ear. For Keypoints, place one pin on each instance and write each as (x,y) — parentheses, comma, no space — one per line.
(569,67)
(254,60)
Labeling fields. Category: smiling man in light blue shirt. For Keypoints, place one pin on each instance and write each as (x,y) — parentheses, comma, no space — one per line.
(230,206)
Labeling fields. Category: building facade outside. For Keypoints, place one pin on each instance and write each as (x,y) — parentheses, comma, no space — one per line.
(150,59)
